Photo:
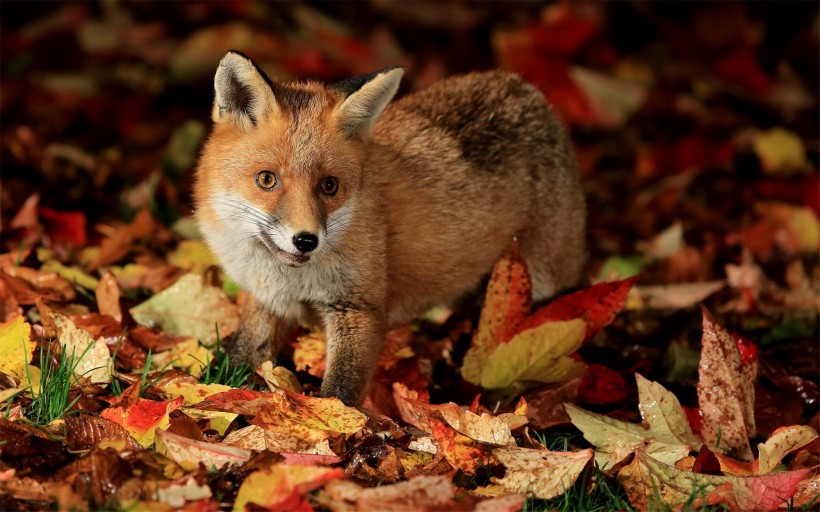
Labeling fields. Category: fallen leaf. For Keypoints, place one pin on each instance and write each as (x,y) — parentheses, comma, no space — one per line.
(108,294)
(74,275)
(546,405)
(538,354)
(143,418)
(677,296)
(177,493)
(16,348)
(506,303)
(419,493)
(312,419)
(189,307)
(88,357)
(459,450)
(646,480)
(780,152)
(192,256)
(279,377)
(85,431)
(119,243)
(309,354)
(282,487)
(664,415)
(543,474)
(782,442)
(257,438)
(193,394)
(725,392)
(189,453)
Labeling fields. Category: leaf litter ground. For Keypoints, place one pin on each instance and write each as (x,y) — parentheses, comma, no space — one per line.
(697,147)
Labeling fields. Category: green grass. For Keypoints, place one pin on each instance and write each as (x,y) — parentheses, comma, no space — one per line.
(218,370)
(55,385)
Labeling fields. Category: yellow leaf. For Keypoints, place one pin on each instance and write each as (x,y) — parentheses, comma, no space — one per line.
(780,152)
(16,347)
(73,274)
(279,377)
(537,354)
(282,485)
(781,443)
(193,256)
(193,394)
(188,355)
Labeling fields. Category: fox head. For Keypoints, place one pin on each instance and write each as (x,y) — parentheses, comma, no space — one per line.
(282,167)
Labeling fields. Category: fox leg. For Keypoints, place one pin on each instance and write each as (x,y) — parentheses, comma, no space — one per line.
(260,335)
(354,342)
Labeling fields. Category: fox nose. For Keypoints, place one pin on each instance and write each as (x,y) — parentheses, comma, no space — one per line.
(305,242)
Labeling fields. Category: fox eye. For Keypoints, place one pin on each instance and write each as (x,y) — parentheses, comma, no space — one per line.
(266,180)
(329,185)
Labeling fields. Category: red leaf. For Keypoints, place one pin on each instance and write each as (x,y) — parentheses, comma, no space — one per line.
(602,386)
(748,350)
(597,304)
(65,227)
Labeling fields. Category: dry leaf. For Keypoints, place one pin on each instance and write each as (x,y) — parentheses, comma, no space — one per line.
(725,392)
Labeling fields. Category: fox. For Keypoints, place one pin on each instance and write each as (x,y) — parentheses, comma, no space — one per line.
(334,204)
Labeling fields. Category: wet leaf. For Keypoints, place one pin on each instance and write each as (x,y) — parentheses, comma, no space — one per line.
(542,473)
(647,480)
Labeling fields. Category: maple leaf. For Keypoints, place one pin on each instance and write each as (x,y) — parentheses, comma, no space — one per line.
(667,435)
(539,354)
(597,305)
(189,307)
(647,480)
(543,473)
(782,442)
(194,393)
(142,418)
(506,303)
(725,392)
(313,419)
(483,428)
(460,451)
(282,487)
(512,346)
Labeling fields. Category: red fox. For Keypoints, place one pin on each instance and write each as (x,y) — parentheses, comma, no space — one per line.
(326,202)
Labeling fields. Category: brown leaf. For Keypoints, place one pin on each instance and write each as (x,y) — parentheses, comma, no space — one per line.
(85,431)
(108,297)
(725,392)
(420,493)
(546,404)
(117,245)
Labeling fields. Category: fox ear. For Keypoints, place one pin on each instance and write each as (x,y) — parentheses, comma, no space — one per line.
(243,94)
(367,96)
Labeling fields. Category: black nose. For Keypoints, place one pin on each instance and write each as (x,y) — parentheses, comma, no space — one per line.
(305,242)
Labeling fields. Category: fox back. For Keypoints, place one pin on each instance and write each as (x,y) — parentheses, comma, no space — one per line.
(330,202)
